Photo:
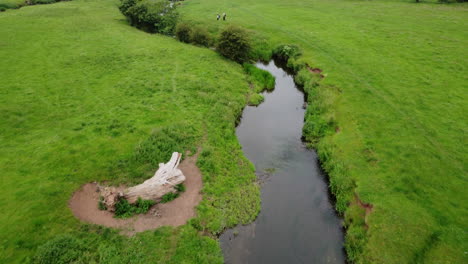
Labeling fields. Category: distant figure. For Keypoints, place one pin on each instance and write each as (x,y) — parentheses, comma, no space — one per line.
(218,17)
(224,16)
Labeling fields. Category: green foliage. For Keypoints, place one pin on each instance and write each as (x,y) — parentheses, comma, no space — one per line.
(261,48)
(169,197)
(261,78)
(13,4)
(200,36)
(255,99)
(356,231)
(41,2)
(183,32)
(234,43)
(95,244)
(180,187)
(63,249)
(125,6)
(123,209)
(286,52)
(150,15)
(101,205)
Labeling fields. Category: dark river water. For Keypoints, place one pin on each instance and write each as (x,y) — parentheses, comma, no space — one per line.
(297,222)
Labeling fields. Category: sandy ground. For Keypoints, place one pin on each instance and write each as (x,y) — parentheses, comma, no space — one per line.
(84,205)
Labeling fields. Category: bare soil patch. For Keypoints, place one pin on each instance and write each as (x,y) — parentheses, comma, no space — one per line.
(366,206)
(84,205)
(316,71)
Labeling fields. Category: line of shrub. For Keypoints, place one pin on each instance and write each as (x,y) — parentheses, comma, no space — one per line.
(161,16)
(151,16)
(5,6)
(196,35)
(233,42)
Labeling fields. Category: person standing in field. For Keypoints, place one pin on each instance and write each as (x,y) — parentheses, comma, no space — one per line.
(224,16)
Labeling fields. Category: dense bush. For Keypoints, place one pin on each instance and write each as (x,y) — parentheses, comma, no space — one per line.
(151,16)
(234,43)
(183,32)
(125,5)
(200,37)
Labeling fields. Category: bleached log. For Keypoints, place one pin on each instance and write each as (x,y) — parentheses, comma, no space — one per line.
(164,180)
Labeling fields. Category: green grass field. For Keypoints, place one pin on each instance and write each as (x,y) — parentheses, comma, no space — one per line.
(85,97)
(400,71)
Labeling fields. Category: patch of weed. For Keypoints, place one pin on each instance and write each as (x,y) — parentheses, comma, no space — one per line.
(124,209)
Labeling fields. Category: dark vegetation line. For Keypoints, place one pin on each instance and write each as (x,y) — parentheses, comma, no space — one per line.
(5,6)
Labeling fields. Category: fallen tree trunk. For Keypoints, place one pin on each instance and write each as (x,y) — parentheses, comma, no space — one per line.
(164,181)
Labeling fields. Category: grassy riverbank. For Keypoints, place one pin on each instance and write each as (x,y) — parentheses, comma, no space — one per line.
(86,97)
(395,92)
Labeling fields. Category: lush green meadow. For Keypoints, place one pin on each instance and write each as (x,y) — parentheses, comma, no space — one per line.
(396,93)
(85,97)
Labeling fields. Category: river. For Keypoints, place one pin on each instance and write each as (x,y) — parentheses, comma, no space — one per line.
(297,222)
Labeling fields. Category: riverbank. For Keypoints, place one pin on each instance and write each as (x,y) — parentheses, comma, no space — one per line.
(392,92)
(295,197)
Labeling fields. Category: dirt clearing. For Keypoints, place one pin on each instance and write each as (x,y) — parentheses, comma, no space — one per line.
(84,205)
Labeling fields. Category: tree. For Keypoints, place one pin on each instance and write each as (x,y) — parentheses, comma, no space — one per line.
(234,43)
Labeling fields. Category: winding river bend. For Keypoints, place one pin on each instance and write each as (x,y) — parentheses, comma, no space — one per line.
(297,223)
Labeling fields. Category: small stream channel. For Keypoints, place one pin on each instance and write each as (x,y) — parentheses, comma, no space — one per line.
(297,222)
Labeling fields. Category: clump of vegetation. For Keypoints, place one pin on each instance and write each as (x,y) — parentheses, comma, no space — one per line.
(124,209)
(151,16)
(13,4)
(61,249)
(101,205)
(285,52)
(183,32)
(261,78)
(200,36)
(180,188)
(169,197)
(234,43)
(255,99)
